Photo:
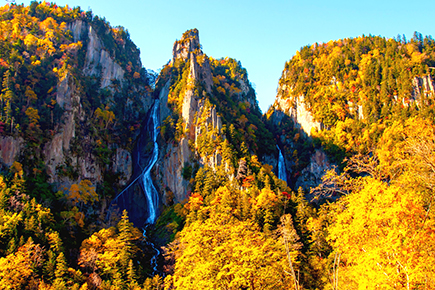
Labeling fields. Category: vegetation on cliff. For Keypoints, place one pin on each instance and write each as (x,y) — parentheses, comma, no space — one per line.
(357,87)
(240,226)
(374,98)
(46,235)
(43,49)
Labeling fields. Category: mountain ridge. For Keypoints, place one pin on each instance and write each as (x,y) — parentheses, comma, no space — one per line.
(352,124)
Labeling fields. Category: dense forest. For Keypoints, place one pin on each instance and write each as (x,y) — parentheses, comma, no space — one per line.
(358,86)
(368,224)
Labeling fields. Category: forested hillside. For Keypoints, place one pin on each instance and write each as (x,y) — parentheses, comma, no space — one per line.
(353,88)
(368,102)
(73,97)
(351,130)
(225,234)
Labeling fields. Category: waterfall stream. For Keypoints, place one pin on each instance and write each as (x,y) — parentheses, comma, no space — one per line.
(148,186)
(124,200)
(282,173)
(147,182)
(128,198)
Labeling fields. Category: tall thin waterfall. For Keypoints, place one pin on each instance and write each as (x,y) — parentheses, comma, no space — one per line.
(281,166)
(143,206)
(140,198)
(148,186)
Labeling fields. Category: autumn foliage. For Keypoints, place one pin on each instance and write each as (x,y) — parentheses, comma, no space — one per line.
(240,227)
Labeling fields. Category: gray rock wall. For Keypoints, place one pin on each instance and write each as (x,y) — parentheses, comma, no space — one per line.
(10,149)
(58,152)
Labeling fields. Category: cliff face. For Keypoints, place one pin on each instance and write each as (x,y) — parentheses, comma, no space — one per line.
(311,176)
(338,92)
(181,155)
(98,60)
(98,64)
(196,93)
(296,108)
(97,91)
(10,148)
(422,88)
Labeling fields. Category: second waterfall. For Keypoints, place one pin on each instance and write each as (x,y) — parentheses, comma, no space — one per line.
(282,172)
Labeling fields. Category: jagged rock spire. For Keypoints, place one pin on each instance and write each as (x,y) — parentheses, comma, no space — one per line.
(188,43)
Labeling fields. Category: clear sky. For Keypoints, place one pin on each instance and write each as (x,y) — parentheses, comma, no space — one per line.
(262,35)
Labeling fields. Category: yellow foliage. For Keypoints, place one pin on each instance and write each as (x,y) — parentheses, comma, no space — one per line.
(105,117)
(266,199)
(32,114)
(221,90)
(195,201)
(225,253)
(82,193)
(17,167)
(30,40)
(384,236)
(254,161)
(418,58)
(17,269)
(110,250)
(30,94)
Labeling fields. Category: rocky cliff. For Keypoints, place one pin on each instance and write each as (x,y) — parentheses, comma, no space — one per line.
(296,108)
(102,99)
(306,169)
(202,100)
(98,64)
(341,92)
(181,155)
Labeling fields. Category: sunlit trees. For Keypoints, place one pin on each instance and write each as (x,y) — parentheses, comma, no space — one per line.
(385,236)
(224,253)
(356,86)
(384,231)
(106,255)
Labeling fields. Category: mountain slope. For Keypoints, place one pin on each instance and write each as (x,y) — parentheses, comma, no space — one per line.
(76,128)
(344,93)
(369,104)
(74,92)
(210,117)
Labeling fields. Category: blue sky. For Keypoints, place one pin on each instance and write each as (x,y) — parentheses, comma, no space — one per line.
(262,35)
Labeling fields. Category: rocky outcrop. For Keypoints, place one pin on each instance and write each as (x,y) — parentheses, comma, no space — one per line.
(190,106)
(296,108)
(123,164)
(99,62)
(188,43)
(10,148)
(58,148)
(170,169)
(421,87)
(304,118)
(163,97)
(58,152)
(199,72)
(198,117)
(312,175)
(64,96)
(77,28)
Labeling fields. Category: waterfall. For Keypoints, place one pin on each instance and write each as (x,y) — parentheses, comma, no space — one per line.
(153,262)
(282,173)
(148,187)
(140,198)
